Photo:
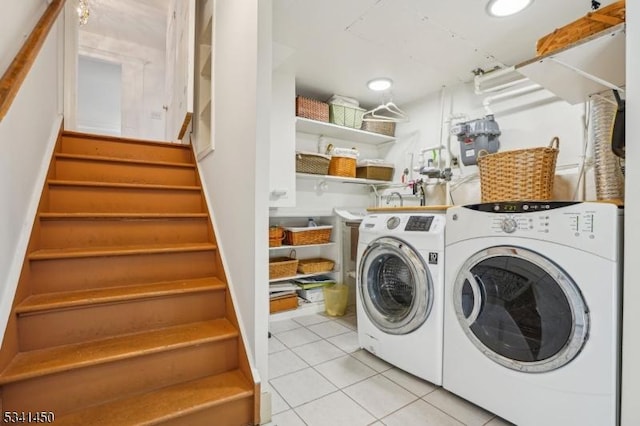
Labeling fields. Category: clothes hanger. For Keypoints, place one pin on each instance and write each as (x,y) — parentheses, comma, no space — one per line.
(388,112)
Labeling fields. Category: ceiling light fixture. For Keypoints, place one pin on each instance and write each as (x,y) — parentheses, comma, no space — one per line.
(83,11)
(379,84)
(502,8)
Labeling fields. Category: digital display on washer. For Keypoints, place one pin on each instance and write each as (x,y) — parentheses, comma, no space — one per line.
(520,206)
(419,223)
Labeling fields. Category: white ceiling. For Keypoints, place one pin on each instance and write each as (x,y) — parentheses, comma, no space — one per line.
(142,22)
(336,46)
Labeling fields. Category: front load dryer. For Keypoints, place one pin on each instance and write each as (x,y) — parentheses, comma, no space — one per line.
(399,290)
(532,310)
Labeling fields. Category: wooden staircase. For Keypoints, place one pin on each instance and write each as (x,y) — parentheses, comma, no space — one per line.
(122,314)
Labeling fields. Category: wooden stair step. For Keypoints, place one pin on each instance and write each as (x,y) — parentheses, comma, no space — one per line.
(85,144)
(48,301)
(100,197)
(27,365)
(113,169)
(168,403)
(64,230)
(84,252)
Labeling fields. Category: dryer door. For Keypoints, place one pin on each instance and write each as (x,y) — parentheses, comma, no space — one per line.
(395,286)
(520,309)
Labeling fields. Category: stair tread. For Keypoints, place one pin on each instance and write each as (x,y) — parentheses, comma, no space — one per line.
(75,252)
(26,365)
(123,216)
(167,403)
(49,301)
(106,138)
(135,161)
(56,182)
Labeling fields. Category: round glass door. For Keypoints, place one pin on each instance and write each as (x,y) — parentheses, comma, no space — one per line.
(395,286)
(520,309)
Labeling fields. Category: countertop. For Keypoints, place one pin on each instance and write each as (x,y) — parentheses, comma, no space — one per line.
(408,209)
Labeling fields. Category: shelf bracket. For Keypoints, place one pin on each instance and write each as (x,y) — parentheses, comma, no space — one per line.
(587,75)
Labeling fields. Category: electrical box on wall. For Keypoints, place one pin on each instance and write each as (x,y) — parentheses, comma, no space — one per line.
(476,136)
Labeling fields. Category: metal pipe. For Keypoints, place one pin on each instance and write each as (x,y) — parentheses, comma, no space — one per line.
(477,80)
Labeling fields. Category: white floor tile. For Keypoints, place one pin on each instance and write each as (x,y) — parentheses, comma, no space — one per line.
(371,360)
(345,371)
(420,413)
(497,421)
(466,412)
(284,362)
(276,327)
(348,342)
(287,418)
(318,352)
(278,405)
(329,329)
(379,395)
(349,321)
(297,337)
(312,319)
(413,384)
(302,386)
(275,345)
(336,409)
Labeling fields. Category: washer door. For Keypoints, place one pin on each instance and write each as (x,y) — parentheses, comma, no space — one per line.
(395,286)
(520,309)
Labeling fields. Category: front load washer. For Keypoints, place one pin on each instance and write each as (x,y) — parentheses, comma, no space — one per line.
(532,310)
(400,281)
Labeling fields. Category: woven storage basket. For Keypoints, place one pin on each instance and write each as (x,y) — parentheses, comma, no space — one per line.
(307,235)
(342,166)
(312,109)
(592,23)
(280,267)
(276,235)
(375,171)
(345,116)
(310,162)
(315,265)
(383,127)
(523,174)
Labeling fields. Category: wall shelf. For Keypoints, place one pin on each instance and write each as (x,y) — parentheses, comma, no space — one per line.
(589,66)
(283,247)
(313,127)
(298,276)
(328,178)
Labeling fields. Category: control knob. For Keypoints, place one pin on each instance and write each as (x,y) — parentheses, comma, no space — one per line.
(509,225)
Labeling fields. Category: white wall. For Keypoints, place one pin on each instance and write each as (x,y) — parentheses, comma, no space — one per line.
(99,80)
(17,20)
(631,321)
(525,122)
(143,82)
(27,133)
(236,174)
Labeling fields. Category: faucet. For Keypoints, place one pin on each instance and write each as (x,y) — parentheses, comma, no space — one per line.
(390,196)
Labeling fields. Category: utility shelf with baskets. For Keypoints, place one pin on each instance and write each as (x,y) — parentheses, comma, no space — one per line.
(342,179)
(313,127)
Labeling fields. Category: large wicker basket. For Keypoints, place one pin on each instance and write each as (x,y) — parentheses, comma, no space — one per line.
(276,235)
(523,174)
(342,166)
(312,109)
(593,23)
(280,267)
(315,265)
(313,163)
(382,127)
(307,235)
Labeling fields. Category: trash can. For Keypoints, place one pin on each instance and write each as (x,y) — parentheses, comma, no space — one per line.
(335,299)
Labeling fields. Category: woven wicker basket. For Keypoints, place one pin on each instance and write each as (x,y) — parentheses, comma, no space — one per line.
(375,172)
(280,267)
(276,235)
(312,109)
(306,236)
(309,162)
(342,166)
(315,265)
(383,127)
(592,23)
(523,174)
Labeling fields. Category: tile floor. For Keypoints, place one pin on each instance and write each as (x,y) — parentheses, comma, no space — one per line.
(318,375)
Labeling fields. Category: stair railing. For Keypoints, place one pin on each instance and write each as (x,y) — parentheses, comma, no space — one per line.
(16,73)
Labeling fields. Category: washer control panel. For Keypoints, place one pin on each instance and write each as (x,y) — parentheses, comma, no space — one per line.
(419,223)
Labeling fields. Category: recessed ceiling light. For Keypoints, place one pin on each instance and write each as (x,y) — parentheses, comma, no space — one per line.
(502,8)
(379,84)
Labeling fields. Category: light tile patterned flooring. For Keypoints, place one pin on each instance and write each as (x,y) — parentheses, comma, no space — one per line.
(318,376)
